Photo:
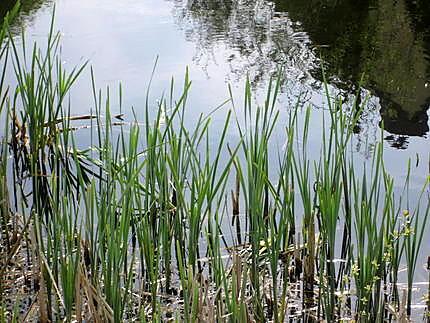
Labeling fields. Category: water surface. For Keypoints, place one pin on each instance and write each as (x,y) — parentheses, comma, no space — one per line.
(378,50)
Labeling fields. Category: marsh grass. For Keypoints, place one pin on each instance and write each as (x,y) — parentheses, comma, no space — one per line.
(162,221)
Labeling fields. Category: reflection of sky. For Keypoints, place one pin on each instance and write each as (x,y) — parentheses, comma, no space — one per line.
(122,42)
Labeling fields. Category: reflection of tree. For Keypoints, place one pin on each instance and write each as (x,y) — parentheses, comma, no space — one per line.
(5,6)
(336,27)
(254,38)
(27,9)
(387,40)
(399,71)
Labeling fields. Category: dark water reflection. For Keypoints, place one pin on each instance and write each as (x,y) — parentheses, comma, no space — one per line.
(28,10)
(387,41)
(5,7)
(383,45)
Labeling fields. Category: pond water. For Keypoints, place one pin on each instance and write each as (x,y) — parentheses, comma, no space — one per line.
(379,46)
(382,45)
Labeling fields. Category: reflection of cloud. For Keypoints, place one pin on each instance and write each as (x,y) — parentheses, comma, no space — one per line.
(120,40)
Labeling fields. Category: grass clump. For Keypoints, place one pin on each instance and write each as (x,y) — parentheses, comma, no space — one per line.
(160,221)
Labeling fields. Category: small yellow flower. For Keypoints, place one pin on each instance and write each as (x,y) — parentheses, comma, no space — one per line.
(355,269)
(408,231)
(405,213)
(387,256)
(345,279)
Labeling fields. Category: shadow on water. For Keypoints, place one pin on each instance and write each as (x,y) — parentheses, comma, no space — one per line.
(387,41)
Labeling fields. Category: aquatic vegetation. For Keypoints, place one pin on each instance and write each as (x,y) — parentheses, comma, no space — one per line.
(158,221)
